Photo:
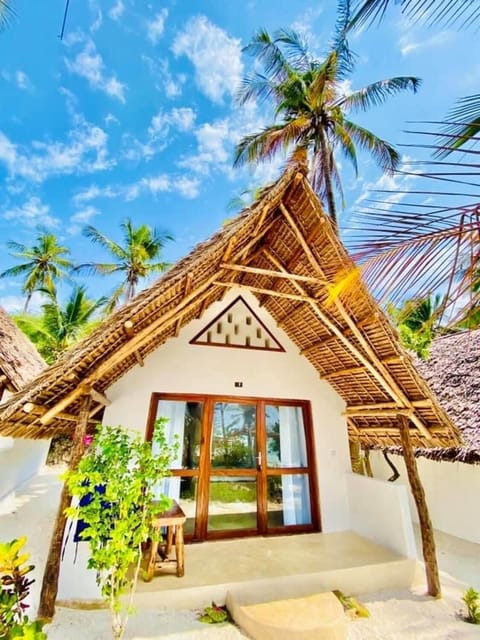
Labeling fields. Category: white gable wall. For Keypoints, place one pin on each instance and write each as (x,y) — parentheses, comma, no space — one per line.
(178,367)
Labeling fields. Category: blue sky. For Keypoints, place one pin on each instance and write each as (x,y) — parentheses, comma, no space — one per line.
(133,113)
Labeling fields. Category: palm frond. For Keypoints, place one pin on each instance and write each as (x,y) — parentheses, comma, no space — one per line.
(462,126)
(446,13)
(296,48)
(346,58)
(97,237)
(264,145)
(376,93)
(386,156)
(346,144)
(266,50)
(6,13)
(256,87)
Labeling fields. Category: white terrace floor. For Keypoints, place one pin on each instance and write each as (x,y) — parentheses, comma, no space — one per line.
(283,566)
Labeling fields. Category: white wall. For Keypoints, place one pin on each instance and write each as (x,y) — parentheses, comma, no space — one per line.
(18,463)
(178,367)
(379,510)
(452,490)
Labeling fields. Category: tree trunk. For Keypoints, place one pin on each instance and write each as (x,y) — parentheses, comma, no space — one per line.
(49,591)
(426,529)
(327,176)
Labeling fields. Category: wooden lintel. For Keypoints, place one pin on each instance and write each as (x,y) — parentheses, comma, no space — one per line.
(270,292)
(271,273)
(99,397)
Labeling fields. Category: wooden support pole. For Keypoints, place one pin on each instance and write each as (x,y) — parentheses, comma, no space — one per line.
(49,591)
(426,529)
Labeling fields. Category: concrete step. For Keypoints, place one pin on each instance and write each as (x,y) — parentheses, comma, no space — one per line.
(309,618)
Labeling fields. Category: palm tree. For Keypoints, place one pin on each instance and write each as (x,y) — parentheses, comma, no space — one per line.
(136,258)
(313,112)
(45,263)
(417,322)
(59,327)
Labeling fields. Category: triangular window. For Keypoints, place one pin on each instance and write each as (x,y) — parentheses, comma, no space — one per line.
(239,327)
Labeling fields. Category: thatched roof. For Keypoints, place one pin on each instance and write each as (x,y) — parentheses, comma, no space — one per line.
(283,249)
(20,362)
(453,372)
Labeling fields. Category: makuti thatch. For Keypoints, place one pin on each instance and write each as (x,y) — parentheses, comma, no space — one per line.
(284,250)
(453,372)
(20,362)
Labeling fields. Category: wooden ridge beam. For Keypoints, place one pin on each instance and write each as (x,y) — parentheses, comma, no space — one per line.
(368,357)
(269,292)
(270,273)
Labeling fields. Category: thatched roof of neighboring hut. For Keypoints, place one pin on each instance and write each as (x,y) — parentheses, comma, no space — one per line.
(284,250)
(20,362)
(453,372)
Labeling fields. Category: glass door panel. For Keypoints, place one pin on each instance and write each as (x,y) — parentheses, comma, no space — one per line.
(285,436)
(234,436)
(232,503)
(288,500)
(232,497)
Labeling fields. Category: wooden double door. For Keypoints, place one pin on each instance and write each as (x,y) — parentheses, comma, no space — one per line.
(244,466)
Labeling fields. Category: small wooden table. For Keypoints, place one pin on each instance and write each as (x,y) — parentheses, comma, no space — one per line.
(172,519)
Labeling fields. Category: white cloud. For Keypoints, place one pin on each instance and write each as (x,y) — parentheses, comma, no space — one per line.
(16,304)
(182,119)
(156,26)
(111,119)
(18,78)
(117,10)
(408,44)
(216,141)
(97,23)
(89,65)
(85,151)
(215,56)
(84,215)
(32,213)
(22,80)
(187,187)
(164,80)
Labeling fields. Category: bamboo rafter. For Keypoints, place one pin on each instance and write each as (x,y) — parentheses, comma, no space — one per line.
(372,361)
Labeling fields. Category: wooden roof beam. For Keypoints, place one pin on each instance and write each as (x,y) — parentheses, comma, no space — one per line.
(38,410)
(99,397)
(370,359)
(355,409)
(268,292)
(129,330)
(271,273)
(352,412)
(170,316)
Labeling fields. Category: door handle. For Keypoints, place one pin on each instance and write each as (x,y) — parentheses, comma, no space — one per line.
(259,461)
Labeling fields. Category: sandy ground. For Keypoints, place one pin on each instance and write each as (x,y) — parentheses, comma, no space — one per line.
(395,615)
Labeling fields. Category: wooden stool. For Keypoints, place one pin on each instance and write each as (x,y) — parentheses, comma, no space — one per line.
(172,519)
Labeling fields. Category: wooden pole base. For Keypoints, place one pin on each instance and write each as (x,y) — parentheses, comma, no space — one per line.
(48,595)
(426,528)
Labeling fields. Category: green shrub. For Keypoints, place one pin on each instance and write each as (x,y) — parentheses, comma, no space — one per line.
(471,598)
(14,589)
(214,614)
